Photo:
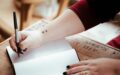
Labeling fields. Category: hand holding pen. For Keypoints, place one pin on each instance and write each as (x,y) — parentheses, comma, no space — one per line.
(25,39)
(19,51)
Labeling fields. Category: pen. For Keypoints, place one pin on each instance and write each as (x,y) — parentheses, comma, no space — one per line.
(19,51)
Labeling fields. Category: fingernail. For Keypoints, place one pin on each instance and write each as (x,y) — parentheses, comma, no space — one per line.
(68,67)
(24,50)
(64,73)
(21,52)
(15,50)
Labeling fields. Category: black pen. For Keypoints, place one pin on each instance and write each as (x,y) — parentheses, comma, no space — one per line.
(19,51)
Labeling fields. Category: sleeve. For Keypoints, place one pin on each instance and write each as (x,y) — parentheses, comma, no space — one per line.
(93,12)
(115,42)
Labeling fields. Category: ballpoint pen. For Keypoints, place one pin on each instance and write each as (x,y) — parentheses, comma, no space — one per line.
(19,51)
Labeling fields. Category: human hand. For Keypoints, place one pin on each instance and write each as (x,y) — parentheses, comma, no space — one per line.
(101,66)
(28,39)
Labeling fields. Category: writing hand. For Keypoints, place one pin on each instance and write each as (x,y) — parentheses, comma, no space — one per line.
(28,39)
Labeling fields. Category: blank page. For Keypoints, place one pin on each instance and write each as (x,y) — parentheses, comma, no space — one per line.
(49,65)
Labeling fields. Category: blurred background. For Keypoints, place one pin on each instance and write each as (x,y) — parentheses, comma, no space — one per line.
(28,12)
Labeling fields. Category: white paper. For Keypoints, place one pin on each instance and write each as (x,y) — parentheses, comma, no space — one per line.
(50,65)
(103,32)
(49,59)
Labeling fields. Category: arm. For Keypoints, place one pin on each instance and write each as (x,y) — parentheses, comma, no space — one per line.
(66,24)
(85,12)
(69,23)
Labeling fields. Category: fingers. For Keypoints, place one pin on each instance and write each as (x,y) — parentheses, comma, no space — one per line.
(79,68)
(22,47)
(31,40)
(23,37)
(26,43)
(21,44)
(78,64)
(86,73)
(13,43)
(82,73)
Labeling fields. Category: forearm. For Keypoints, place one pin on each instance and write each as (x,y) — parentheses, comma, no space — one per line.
(66,24)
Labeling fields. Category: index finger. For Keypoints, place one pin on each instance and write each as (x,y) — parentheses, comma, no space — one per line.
(79,64)
(13,44)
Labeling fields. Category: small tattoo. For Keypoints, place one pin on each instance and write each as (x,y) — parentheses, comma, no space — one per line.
(43,32)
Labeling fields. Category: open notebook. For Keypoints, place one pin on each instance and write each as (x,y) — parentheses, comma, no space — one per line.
(48,59)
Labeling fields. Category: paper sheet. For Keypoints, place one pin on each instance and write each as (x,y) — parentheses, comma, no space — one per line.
(50,65)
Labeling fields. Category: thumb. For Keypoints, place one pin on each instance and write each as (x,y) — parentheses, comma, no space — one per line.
(26,43)
(32,40)
(25,40)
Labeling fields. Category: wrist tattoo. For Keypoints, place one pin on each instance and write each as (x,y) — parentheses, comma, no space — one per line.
(44,31)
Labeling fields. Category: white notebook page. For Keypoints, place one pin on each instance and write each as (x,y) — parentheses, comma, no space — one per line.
(49,59)
(50,65)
